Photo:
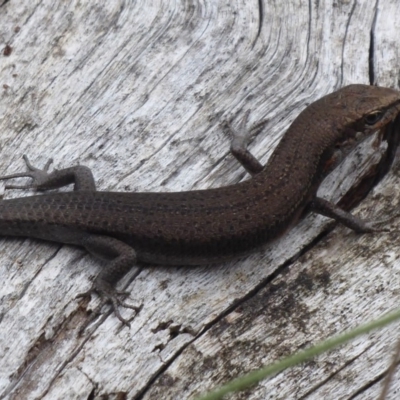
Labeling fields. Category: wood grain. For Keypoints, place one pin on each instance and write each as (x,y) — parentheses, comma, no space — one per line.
(136,90)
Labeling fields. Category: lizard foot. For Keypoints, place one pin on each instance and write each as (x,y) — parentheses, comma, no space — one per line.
(108,294)
(39,176)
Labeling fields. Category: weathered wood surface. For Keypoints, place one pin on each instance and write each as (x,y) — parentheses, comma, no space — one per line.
(136,91)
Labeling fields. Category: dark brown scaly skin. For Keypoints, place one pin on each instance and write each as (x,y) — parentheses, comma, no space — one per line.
(211,225)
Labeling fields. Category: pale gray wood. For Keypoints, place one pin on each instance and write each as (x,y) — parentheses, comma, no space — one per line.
(137,91)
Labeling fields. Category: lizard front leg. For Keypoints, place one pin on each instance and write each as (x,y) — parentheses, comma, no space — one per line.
(331,210)
(240,140)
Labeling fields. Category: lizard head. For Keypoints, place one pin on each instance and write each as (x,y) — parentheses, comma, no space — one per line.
(358,111)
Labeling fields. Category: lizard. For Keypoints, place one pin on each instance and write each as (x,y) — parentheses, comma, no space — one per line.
(211,225)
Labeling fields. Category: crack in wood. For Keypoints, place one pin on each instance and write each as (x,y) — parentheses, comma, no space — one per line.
(371,51)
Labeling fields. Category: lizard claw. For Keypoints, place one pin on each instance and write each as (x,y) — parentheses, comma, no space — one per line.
(39,176)
(108,294)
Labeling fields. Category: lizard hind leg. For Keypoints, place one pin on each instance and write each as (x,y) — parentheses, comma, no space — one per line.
(108,294)
(121,259)
(79,175)
(38,175)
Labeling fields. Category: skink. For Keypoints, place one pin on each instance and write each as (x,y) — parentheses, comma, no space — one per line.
(205,226)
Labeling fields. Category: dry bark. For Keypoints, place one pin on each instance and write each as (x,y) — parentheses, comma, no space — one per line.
(137,91)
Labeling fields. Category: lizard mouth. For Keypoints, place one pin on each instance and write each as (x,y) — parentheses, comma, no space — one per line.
(390,134)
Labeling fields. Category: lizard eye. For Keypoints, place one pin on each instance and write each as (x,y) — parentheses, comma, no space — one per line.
(373,118)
